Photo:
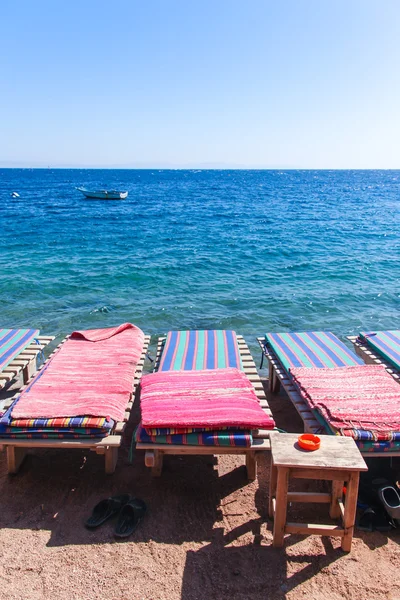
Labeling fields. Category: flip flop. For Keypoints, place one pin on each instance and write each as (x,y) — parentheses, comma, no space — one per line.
(130,517)
(106,509)
(373,520)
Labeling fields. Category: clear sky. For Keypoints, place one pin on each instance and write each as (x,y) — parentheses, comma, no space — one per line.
(224,83)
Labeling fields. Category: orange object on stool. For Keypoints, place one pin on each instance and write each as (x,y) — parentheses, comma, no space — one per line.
(309,441)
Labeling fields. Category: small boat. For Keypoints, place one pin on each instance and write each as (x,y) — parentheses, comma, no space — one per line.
(103,194)
(15,195)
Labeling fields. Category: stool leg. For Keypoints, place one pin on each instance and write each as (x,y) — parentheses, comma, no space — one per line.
(337,494)
(350,507)
(272,488)
(281,506)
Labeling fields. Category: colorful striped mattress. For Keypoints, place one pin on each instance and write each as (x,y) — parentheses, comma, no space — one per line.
(13,342)
(385,343)
(199,350)
(230,438)
(318,349)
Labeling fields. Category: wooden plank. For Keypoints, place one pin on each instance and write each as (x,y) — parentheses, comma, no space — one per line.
(259,445)
(324,474)
(91,443)
(308,497)
(314,529)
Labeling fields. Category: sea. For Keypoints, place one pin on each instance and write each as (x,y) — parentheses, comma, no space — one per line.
(253,251)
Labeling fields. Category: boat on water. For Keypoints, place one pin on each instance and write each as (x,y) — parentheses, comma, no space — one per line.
(103,194)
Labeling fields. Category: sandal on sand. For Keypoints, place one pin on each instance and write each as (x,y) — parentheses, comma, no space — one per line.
(371,520)
(130,517)
(106,509)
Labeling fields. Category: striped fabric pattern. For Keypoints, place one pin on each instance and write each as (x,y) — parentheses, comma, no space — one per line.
(378,446)
(385,343)
(103,423)
(21,432)
(317,349)
(199,350)
(13,342)
(231,439)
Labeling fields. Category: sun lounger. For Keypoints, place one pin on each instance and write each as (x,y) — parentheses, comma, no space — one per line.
(289,353)
(197,351)
(19,351)
(380,348)
(80,398)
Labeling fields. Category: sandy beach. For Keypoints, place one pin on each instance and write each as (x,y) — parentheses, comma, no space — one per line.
(206,534)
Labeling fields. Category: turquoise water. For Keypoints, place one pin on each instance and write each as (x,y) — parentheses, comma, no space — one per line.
(247,250)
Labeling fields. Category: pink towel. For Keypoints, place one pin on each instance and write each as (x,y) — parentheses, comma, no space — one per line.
(92,374)
(364,397)
(211,398)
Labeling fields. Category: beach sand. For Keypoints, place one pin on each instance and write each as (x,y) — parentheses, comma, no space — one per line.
(206,534)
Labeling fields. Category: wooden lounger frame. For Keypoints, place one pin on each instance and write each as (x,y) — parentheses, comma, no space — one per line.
(154,453)
(278,376)
(108,446)
(371,357)
(24,362)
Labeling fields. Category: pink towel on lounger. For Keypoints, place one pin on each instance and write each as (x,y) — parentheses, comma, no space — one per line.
(211,398)
(92,374)
(365,397)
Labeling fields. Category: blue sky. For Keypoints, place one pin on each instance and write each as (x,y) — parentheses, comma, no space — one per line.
(172,83)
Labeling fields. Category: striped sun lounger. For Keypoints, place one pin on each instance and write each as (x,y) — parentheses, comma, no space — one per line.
(320,350)
(380,347)
(199,351)
(20,350)
(81,398)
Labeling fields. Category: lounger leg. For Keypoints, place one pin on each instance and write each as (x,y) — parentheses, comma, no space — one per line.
(251,465)
(270,376)
(111,457)
(158,463)
(337,493)
(350,508)
(277,384)
(15,457)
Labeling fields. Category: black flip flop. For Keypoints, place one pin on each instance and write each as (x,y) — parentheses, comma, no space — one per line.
(374,520)
(106,509)
(130,517)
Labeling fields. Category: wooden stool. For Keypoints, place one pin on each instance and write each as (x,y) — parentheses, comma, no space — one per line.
(337,460)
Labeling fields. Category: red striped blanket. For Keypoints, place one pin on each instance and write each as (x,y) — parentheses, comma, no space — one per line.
(92,374)
(363,397)
(211,398)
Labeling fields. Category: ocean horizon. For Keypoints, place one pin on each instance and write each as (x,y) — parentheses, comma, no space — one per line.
(249,250)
